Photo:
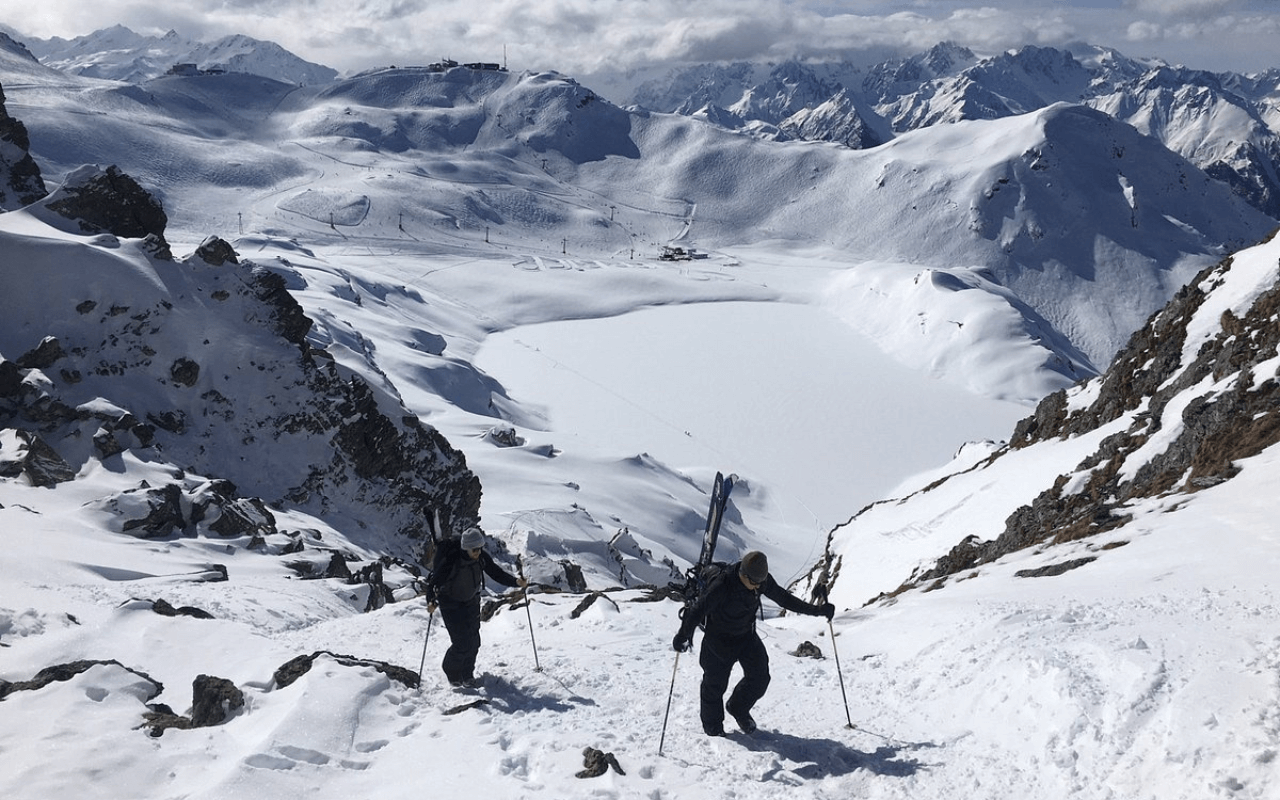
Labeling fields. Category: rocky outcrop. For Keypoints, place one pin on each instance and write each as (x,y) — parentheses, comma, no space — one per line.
(20,181)
(1229,398)
(295,668)
(65,672)
(323,438)
(110,201)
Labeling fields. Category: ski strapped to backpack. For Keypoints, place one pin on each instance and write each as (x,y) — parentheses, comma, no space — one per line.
(707,568)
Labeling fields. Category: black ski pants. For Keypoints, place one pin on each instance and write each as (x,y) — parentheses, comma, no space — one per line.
(462,621)
(719,654)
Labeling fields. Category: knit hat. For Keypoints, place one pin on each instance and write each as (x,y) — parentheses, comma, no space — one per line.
(472,538)
(755,565)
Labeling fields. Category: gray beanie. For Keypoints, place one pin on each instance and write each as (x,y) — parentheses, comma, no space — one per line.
(472,538)
(755,565)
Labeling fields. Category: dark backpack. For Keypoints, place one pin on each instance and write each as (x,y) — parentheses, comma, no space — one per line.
(445,560)
(697,580)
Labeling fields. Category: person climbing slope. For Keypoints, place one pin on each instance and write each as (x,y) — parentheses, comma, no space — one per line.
(729,606)
(457,576)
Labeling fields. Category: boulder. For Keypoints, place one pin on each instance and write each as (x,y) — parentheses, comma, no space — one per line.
(597,762)
(807,649)
(214,700)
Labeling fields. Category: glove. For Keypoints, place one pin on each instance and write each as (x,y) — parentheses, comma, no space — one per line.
(682,642)
(828,610)
(429,593)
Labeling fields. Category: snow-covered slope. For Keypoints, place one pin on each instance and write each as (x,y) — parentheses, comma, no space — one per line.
(474,253)
(1134,509)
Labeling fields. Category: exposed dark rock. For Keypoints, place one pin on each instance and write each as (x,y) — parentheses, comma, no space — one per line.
(216,252)
(244,517)
(20,180)
(216,573)
(106,443)
(303,569)
(165,609)
(458,709)
(506,436)
(287,314)
(144,432)
(573,576)
(379,593)
(807,649)
(337,568)
(43,356)
(171,421)
(165,514)
(10,379)
(297,667)
(157,247)
(1055,569)
(214,700)
(42,464)
(382,464)
(185,372)
(587,602)
(113,202)
(65,672)
(597,763)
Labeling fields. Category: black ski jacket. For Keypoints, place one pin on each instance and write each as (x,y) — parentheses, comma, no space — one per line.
(730,608)
(457,579)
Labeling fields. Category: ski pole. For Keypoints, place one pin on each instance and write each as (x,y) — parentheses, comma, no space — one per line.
(431,615)
(836,651)
(537,667)
(662,740)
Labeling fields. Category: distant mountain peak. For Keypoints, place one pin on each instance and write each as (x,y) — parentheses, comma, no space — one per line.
(1227,129)
(119,53)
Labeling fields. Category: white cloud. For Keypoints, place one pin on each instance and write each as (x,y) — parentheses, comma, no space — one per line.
(581,37)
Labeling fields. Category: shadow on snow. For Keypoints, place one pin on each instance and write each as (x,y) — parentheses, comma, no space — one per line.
(823,758)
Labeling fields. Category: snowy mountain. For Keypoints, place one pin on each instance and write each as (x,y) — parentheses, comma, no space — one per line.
(288,333)
(1011,198)
(118,53)
(1222,123)
(1229,133)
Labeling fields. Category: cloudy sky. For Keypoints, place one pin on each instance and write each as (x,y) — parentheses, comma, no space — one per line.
(586,37)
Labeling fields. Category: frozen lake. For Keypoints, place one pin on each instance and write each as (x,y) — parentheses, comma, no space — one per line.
(783,393)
